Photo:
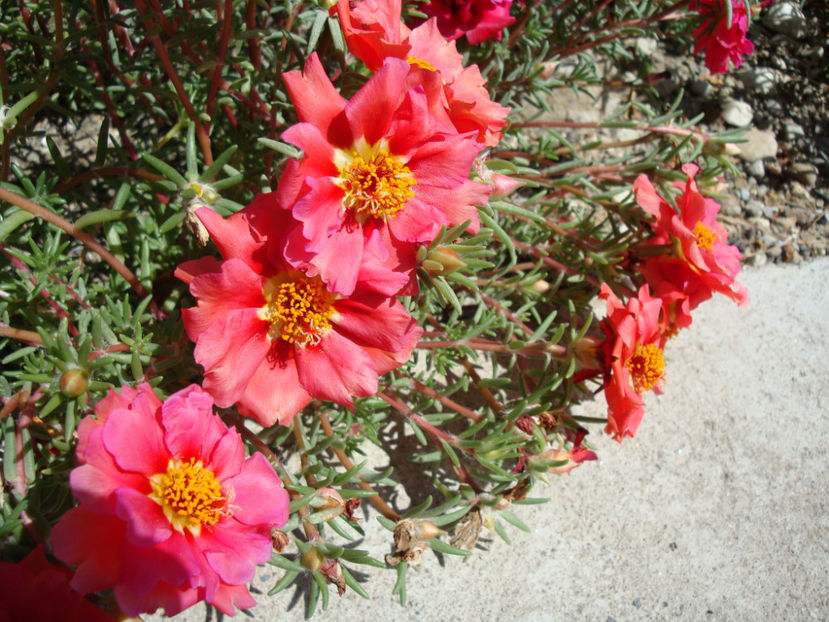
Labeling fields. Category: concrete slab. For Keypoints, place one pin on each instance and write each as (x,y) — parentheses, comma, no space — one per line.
(717,511)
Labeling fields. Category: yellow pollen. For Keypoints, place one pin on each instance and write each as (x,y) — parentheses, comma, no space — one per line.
(298,310)
(189,494)
(419,62)
(647,366)
(705,238)
(378,187)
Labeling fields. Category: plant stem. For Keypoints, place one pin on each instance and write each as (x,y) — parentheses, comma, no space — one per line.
(376,500)
(86,239)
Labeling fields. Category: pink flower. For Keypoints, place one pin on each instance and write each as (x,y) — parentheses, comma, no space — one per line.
(373,32)
(39,591)
(719,40)
(271,337)
(702,263)
(479,20)
(634,360)
(171,512)
(386,165)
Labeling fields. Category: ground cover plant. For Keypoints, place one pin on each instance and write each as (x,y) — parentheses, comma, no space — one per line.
(268,266)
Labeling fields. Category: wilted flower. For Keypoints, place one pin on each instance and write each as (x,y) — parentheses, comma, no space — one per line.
(720,40)
(171,512)
(271,337)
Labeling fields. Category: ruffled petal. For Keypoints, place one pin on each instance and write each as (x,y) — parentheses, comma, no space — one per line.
(146,523)
(93,543)
(230,351)
(274,393)
(134,439)
(258,495)
(336,369)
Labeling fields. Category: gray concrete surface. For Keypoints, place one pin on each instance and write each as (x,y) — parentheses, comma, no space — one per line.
(716,511)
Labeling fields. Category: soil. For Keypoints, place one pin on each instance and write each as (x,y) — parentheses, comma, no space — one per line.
(778,211)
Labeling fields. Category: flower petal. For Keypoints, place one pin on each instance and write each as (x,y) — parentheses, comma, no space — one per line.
(336,369)
(258,494)
(134,439)
(146,523)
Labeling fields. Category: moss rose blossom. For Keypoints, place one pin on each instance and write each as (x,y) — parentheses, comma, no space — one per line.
(478,20)
(702,262)
(271,337)
(171,512)
(387,164)
(720,40)
(374,31)
(633,358)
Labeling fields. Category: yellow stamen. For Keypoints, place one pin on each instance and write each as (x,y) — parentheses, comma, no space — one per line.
(189,494)
(647,366)
(376,186)
(705,237)
(419,62)
(298,310)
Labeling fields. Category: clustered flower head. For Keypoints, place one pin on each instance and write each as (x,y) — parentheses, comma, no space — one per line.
(304,304)
(698,264)
(171,512)
(720,40)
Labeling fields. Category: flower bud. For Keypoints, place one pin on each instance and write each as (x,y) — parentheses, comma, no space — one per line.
(74,382)
(441,261)
(426,530)
(312,559)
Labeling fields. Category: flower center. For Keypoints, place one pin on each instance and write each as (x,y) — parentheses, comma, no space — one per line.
(298,310)
(419,62)
(189,494)
(704,235)
(647,366)
(377,187)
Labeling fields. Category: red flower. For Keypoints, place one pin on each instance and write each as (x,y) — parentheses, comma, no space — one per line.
(386,165)
(39,591)
(171,512)
(479,20)
(634,360)
(373,32)
(719,40)
(702,263)
(271,337)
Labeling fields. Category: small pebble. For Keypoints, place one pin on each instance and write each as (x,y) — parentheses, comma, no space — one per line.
(737,113)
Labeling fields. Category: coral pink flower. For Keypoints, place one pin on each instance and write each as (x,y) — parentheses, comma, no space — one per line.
(373,32)
(39,591)
(702,263)
(719,40)
(387,164)
(479,20)
(634,360)
(171,512)
(271,337)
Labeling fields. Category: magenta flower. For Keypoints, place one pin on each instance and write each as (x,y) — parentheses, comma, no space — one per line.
(478,20)
(387,165)
(719,40)
(271,337)
(171,512)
